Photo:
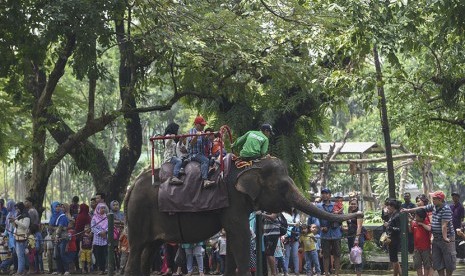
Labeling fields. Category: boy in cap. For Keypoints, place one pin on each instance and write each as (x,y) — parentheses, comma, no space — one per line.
(196,149)
(254,144)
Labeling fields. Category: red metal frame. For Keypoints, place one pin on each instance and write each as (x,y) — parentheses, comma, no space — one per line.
(223,130)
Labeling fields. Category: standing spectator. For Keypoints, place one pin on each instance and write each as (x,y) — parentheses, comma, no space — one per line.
(279,256)
(123,249)
(71,248)
(119,224)
(331,234)
(21,222)
(443,248)
(48,249)
(315,229)
(6,256)
(291,243)
(408,204)
(100,198)
(82,219)
(458,214)
(66,210)
(33,214)
(74,207)
(222,250)
(85,257)
(3,214)
(194,250)
(422,200)
(9,230)
(39,247)
(92,204)
(99,226)
(31,248)
(421,229)
(393,230)
(355,232)
(59,222)
(270,239)
(253,244)
(308,241)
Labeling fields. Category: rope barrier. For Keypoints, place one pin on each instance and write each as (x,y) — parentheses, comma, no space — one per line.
(303,224)
(57,239)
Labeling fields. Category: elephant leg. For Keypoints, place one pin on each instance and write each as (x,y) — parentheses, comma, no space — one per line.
(238,246)
(133,265)
(147,257)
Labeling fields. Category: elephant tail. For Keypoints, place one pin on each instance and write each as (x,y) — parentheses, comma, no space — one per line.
(126,200)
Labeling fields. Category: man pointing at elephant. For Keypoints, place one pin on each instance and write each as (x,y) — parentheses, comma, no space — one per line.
(254,144)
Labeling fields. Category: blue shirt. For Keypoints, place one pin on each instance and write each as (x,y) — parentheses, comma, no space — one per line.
(200,147)
(334,228)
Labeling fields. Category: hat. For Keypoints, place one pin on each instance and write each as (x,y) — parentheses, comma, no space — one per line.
(200,120)
(455,194)
(406,194)
(325,191)
(438,194)
(338,194)
(267,127)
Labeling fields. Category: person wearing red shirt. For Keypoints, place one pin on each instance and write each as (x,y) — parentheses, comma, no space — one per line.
(421,229)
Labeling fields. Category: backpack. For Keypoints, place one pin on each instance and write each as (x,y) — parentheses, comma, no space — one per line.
(282,225)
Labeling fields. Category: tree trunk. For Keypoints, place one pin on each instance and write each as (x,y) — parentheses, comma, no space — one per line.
(404,176)
(385,124)
(427,176)
(365,187)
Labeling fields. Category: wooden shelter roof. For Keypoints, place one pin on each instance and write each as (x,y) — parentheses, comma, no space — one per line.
(348,148)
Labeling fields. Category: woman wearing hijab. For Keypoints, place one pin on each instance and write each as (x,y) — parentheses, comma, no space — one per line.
(119,224)
(99,226)
(9,230)
(59,222)
(21,222)
(83,218)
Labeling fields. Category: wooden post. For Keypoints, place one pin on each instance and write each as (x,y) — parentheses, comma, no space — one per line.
(258,237)
(111,254)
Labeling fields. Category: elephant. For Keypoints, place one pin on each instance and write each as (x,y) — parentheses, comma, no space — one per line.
(267,187)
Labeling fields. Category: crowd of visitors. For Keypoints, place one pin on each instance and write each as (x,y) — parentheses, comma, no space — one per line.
(74,239)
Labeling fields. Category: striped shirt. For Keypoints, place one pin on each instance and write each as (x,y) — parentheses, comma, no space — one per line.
(271,227)
(440,214)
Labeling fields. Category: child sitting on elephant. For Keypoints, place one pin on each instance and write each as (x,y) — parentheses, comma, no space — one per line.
(170,152)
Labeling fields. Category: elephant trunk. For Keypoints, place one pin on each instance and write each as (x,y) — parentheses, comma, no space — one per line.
(299,202)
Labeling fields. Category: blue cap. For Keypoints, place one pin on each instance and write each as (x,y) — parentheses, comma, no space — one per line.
(325,191)
(267,127)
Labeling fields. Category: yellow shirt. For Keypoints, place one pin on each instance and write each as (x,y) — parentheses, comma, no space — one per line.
(308,241)
(31,241)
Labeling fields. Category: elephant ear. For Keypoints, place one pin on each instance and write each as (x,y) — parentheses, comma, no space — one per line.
(249,182)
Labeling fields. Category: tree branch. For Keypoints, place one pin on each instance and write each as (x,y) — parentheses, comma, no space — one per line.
(57,71)
(457,122)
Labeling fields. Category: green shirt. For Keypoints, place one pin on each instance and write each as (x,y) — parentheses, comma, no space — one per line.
(252,144)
